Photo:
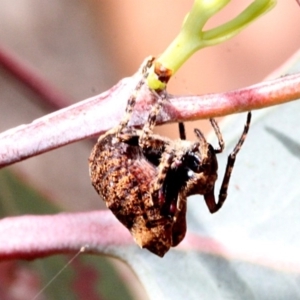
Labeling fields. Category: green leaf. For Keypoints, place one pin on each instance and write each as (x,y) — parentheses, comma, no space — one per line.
(192,37)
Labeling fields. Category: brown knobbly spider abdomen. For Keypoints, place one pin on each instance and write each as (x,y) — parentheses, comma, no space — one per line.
(122,176)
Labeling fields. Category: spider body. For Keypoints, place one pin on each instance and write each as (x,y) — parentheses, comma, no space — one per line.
(122,174)
(145,179)
(147,188)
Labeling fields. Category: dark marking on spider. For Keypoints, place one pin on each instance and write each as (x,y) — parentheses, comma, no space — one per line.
(145,179)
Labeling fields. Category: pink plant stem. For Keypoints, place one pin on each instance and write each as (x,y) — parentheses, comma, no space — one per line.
(262,95)
(30,77)
(37,236)
(100,113)
(99,232)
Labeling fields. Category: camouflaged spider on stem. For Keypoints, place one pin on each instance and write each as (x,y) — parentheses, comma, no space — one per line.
(145,179)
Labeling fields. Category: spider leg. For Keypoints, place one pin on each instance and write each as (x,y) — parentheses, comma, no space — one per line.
(147,130)
(165,164)
(181,128)
(209,197)
(171,203)
(129,108)
(216,128)
(180,205)
(179,226)
(132,99)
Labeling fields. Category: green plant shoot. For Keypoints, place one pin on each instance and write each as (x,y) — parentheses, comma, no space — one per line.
(191,37)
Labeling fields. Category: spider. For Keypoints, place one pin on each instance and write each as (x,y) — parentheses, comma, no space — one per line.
(145,179)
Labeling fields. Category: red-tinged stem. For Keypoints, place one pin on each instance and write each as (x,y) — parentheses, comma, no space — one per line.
(262,95)
(99,232)
(29,237)
(98,114)
(50,95)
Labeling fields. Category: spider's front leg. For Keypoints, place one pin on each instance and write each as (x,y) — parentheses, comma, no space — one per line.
(156,188)
(179,226)
(147,131)
(146,65)
(210,197)
(168,188)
